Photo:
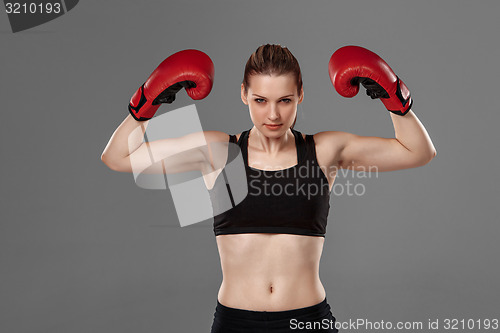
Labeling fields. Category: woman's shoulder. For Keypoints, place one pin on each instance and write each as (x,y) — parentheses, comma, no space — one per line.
(329,137)
(304,135)
(328,145)
(216,136)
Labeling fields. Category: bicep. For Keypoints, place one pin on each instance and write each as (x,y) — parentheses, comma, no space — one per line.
(369,153)
(173,155)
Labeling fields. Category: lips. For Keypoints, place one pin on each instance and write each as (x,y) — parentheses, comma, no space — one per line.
(273,126)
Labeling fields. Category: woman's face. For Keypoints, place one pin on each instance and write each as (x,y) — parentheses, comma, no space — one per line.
(272,100)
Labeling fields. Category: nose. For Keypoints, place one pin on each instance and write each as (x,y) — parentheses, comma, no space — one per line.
(273,112)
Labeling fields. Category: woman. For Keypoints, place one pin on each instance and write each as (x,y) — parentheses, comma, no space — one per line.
(271,243)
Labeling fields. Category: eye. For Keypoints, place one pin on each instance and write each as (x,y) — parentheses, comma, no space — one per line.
(259,100)
(286,100)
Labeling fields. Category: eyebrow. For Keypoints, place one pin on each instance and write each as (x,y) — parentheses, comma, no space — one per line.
(279,98)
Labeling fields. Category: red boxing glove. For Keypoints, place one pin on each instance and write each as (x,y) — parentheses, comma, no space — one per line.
(189,69)
(351,65)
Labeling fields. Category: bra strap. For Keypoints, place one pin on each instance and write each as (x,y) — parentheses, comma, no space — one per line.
(233,150)
(310,147)
(301,146)
(243,143)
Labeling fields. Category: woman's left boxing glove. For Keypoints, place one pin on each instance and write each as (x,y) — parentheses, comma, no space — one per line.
(189,69)
(351,65)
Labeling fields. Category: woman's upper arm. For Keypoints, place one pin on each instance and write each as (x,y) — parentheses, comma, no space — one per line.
(172,155)
(366,153)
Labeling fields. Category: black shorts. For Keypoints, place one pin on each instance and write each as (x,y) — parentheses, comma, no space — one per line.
(315,318)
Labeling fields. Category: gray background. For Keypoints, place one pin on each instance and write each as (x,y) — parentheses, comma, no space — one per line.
(83,249)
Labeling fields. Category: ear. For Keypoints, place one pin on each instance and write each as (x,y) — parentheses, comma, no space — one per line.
(243,95)
(301,97)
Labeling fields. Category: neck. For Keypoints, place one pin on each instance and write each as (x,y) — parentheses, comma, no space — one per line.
(271,145)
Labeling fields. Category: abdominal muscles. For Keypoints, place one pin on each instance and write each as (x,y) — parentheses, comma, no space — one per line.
(270,272)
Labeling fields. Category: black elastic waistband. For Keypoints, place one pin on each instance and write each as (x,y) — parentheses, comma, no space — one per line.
(271,315)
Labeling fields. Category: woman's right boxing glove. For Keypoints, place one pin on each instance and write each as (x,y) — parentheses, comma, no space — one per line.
(189,69)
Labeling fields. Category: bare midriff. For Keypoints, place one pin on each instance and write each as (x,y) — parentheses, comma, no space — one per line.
(270,272)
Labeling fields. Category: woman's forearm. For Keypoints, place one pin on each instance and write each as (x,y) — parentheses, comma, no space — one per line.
(413,136)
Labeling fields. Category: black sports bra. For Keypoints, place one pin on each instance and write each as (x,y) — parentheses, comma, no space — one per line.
(294,200)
